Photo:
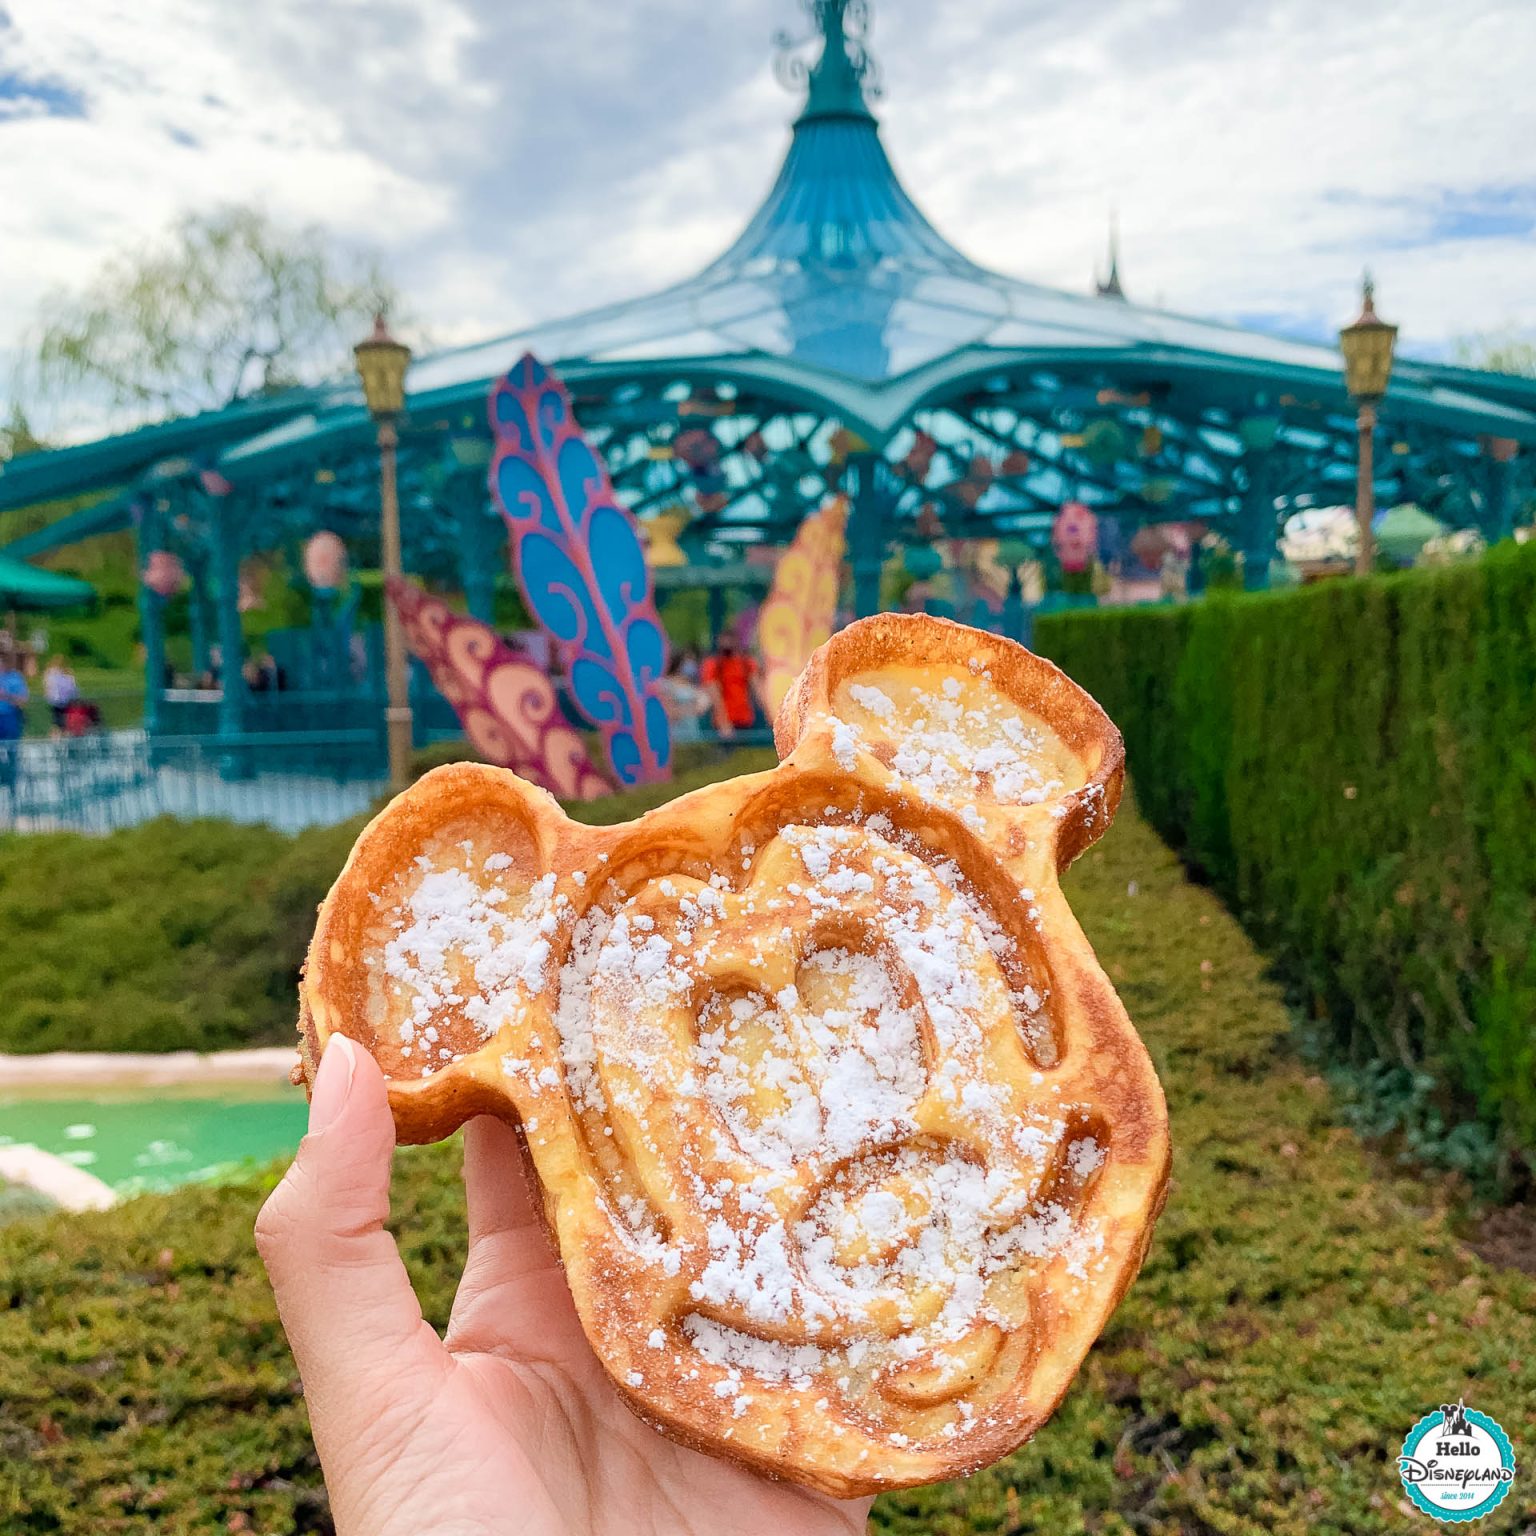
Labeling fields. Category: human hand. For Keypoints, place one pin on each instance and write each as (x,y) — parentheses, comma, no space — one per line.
(508,1423)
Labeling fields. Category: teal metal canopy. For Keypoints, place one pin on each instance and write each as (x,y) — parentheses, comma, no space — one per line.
(840,343)
(172,447)
(25,586)
(841,307)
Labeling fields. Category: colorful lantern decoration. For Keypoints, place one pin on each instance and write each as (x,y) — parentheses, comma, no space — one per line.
(972,486)
(1104,442)
(660,534)
(710,403)
(252,578)
(922,562)
(697,448)
(506,704)
(1259,432)
(798,612)
(919,459)
(325,561)
(843,442)
(1075,537)
(1014,552)
(1149,545)
(164,574)
(577,554)
(977,580)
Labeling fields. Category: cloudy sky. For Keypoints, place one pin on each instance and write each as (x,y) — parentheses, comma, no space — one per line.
(517,159)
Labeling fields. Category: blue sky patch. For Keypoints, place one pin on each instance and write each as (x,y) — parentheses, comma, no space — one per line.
(37,97)
(1446,213)
(1485,213)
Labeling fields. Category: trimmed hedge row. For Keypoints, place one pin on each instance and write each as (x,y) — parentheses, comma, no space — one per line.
(1353,765)
(189,935)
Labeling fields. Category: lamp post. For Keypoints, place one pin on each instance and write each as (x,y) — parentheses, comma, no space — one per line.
(381,365)
(1367,347)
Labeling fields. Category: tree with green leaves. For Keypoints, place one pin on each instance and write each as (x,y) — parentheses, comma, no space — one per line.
(1498,352)
(17,436)
(229,307)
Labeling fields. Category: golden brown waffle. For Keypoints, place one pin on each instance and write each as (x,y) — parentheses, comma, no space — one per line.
(845,1140)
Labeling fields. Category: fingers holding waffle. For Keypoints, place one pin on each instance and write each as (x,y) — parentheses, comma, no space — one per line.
(846,1143)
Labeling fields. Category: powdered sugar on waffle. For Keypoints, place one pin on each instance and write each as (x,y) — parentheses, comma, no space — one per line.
(794,1113)
(825,1067)
(960,746)
(462,941)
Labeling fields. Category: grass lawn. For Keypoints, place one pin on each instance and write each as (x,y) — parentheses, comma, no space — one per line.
(1302,1307)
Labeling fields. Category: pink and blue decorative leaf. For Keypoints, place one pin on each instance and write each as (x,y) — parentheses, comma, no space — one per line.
(579,561)
(507,706)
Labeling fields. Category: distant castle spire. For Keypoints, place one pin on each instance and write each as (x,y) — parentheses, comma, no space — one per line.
(1108,287)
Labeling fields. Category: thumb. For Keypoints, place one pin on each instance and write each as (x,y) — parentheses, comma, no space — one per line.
(345,1300)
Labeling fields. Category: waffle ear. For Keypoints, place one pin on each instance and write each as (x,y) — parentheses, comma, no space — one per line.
(420,953)
(1054,758)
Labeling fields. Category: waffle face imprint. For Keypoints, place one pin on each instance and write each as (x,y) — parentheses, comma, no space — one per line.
(848,1147)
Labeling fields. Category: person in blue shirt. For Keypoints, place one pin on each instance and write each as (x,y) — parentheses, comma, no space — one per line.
(13,697)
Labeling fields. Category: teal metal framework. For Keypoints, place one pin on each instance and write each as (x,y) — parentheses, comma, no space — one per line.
(840,342)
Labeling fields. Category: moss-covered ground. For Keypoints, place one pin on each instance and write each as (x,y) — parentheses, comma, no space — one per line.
(1303,1305)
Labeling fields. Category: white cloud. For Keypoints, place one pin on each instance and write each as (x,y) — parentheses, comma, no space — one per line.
(520,161)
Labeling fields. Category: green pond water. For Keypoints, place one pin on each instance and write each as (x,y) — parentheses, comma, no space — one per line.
(137,1143)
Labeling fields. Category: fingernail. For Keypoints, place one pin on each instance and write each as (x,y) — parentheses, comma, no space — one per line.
(333,1082)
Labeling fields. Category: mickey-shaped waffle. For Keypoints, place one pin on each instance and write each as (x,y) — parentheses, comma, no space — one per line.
(846,1143)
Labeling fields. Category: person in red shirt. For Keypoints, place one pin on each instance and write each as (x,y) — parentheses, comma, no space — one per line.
(728,675)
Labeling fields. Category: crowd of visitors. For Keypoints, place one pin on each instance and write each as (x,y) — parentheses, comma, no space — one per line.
(23,674)
(13,701)
(707,696)
(21,668)
(717,688)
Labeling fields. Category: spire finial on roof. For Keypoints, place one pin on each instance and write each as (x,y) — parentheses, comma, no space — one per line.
(1108,287)
(844,77)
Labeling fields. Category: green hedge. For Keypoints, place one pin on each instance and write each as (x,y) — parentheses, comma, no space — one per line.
(1353,765)
(189,935)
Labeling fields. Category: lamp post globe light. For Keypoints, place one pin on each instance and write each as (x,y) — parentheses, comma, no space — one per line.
(381,365)
(1367,345)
